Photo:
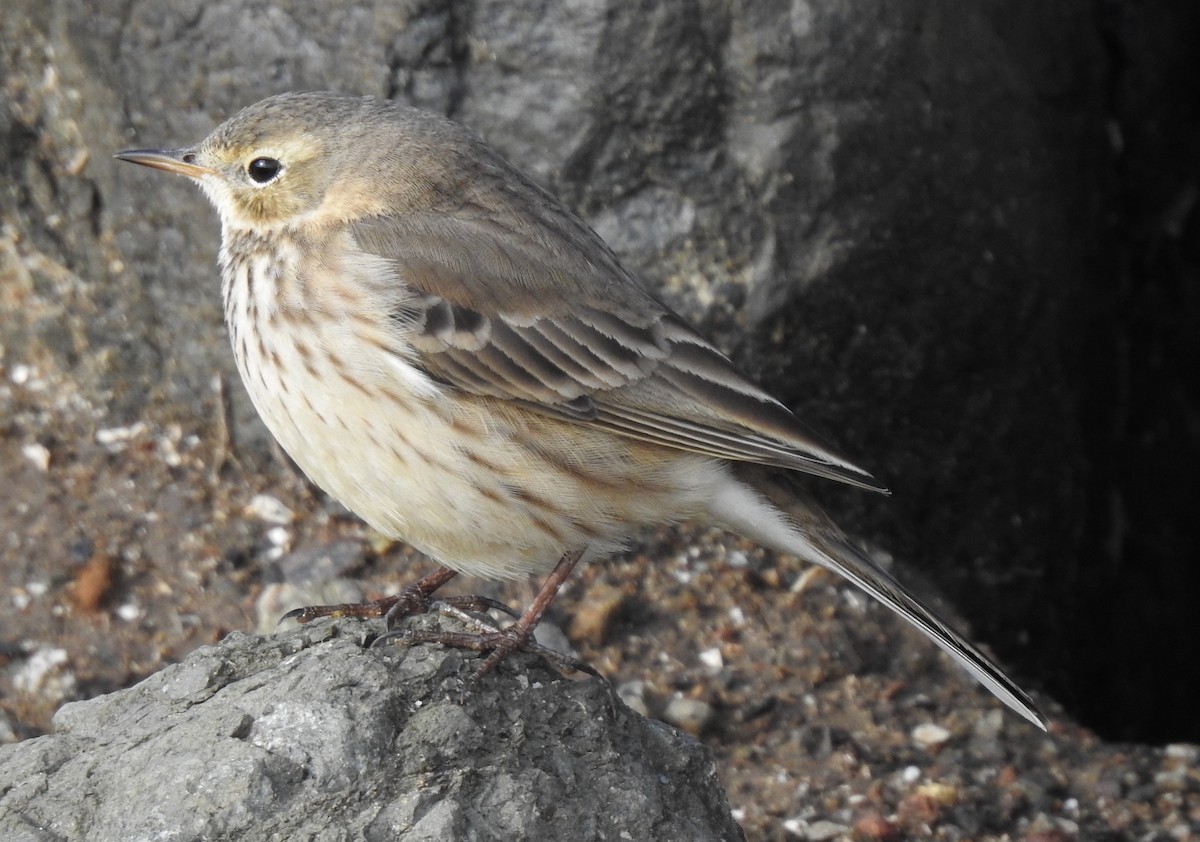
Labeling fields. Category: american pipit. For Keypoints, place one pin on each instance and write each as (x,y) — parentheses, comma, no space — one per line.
(455,356)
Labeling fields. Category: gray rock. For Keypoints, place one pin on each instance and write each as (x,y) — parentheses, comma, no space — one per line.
(308,735)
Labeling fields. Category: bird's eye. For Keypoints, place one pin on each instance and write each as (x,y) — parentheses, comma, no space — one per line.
(262,170)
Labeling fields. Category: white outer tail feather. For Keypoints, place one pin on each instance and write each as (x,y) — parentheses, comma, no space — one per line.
(747,513)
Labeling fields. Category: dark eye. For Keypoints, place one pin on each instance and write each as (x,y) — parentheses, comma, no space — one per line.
(262,170)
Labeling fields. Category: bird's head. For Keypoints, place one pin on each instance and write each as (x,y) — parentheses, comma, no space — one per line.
(307,158)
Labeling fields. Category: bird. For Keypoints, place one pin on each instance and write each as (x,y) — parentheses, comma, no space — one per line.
(453,354)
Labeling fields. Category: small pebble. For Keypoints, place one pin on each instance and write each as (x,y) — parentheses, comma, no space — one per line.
(116,439)
(269,509)
(927,735)
(93,582)
(945,795)
(45,674)
(711,658)
(690,715)
(38,454)
(876,826)
(824,830)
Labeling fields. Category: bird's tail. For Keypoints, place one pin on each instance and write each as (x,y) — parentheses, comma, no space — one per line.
(744,511)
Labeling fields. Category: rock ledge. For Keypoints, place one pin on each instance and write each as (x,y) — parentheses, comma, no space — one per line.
(306,735)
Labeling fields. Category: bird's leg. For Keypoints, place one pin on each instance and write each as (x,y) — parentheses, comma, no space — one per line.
(500,643)
(518,635)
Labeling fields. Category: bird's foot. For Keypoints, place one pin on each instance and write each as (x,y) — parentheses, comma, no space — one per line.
(417,598)
(485,636)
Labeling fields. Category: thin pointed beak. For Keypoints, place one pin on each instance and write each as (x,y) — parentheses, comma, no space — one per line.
(178,161)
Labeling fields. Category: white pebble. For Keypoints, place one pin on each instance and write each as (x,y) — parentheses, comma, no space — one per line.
(692,715)
(38,454)
(824,830)
(116,439)
(712,659)
(20,374)
(928,735)
(269,509)
(1183,751)
(44,674)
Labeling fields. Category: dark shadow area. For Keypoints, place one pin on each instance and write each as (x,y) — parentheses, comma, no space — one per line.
(1135,621)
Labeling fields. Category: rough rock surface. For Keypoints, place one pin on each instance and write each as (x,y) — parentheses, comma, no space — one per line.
(310,736)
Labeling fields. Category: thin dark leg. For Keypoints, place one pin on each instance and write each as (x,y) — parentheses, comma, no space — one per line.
(518,634)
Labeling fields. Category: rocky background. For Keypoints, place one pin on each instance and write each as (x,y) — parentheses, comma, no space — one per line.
(960,237)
